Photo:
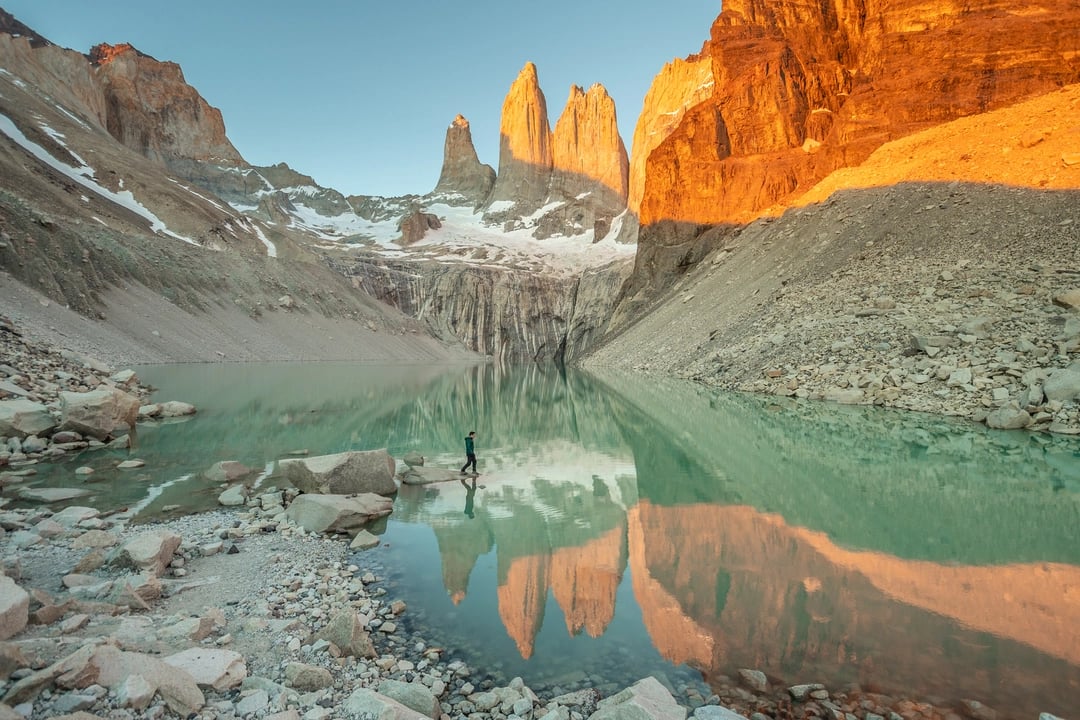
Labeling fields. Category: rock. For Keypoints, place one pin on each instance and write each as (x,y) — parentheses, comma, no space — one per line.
(253,704)
(525,158)
(135,692)
(801,693)
(1063,384)
(754,679)
(175,408)
(370,471)
(94,539)
(99,412)
(211,667)
(715,712)
(413,695)
(1008,417)
(844,396)
(337,513)
(346,631)
(977,711)
(588,155)
(14,608)
(11,659)
(151,550)
(427,475)
(364,541)
(413,459)
(127,378)
(959,378)
(462,172)
(52,494)
(130,464)
(33,444)
(286,301)
(19,418)
(227,471)
(73,515)
(414,226)
(233,496)
(108,666)
(646,699)
(1069,299)
(368,703)
(307,678)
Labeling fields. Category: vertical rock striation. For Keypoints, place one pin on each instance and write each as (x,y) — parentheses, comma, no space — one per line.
(587,152)
(462,172)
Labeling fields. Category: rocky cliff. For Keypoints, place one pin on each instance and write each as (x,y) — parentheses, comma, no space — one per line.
(524,145)
(588,154)
(152,110)
(800,90)
(462,172)
(508,314)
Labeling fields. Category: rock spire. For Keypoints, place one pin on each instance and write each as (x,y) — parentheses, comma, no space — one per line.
(462,172)
(587,152)
(525,159)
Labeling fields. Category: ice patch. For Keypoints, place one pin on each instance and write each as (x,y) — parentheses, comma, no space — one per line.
(83,175)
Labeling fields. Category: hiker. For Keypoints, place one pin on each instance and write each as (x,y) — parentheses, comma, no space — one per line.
(470,453)
(470,494)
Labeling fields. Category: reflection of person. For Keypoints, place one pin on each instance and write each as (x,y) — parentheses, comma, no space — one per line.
(470,493)
(470,452)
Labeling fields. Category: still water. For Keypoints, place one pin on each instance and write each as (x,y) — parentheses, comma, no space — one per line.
(625,526)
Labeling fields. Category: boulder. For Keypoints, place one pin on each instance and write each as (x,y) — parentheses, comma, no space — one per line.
(370,471)
(233,496)
(1063,384)
(368,703)
(346,631)
(337,513)
(75,514)
(754,679)
(427,475)
(307,678)
(151,550)
(175,408)
(227,471)
(646,699)
(111,667)
(413,695)
(715,712)
(364,541)
(127,378)
(52,494)
(415,225)
(413,459)
(1008,417)
(211,667)
(19,418)
(14,608)
(99,412)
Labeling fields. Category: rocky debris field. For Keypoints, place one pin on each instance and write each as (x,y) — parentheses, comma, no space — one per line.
(246,614)
(56,402)
(940,298)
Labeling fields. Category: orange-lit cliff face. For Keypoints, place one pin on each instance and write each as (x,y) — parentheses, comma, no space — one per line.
(583,579)
(747,590)
(802,89)
(152,110)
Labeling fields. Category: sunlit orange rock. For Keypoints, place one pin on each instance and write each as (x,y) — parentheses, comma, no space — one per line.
(152,110)
(587,152)
(802,89)
(585,580)
(522,598)
(525,158)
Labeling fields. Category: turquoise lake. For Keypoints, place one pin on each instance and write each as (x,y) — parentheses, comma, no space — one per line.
(625,525)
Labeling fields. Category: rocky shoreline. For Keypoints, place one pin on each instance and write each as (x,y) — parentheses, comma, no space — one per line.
(242,613)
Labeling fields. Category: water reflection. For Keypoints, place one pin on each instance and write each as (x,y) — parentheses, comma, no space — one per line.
(631,525)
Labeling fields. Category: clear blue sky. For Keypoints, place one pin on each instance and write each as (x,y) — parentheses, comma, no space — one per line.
(359,94)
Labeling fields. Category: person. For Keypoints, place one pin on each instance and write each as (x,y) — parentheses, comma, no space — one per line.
(470,494)
(470,452)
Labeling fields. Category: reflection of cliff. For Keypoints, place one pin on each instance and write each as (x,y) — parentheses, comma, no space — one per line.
(751,591)
(460,546)
(909,485)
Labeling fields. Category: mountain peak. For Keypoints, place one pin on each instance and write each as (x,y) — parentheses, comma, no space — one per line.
(104,53)
(11,26)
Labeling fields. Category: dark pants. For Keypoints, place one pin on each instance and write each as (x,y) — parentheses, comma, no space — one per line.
(470,459)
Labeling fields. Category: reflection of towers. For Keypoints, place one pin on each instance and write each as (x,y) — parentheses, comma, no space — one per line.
(584,581)
(745,589)
(460,546)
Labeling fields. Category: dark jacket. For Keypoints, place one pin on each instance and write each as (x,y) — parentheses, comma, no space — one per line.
(469,449)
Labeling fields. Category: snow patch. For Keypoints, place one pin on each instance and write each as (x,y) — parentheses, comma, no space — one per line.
(271,249)
(83,175)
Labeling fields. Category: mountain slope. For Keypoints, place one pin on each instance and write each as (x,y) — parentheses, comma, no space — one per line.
(962,235)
